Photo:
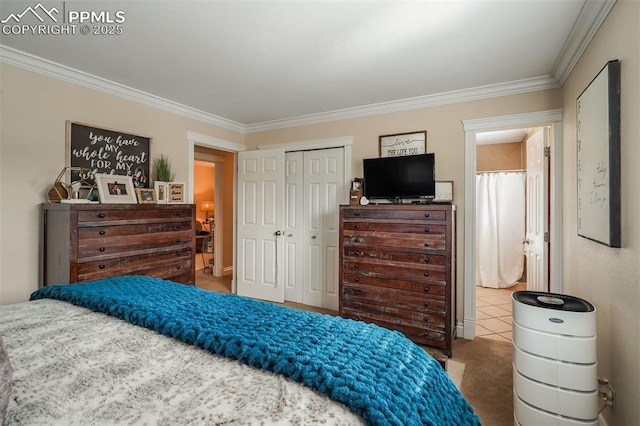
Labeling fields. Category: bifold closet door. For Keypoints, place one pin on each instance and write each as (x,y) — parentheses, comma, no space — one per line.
(324,189)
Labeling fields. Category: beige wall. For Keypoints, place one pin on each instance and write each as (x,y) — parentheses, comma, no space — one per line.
(500,156)
(607,277)
(445,137)
(32,152)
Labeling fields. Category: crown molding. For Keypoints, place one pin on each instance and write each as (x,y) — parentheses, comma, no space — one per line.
(589,20)
(43,66)
(482,92)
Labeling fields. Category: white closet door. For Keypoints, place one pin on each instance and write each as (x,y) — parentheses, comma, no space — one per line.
(294,246)
(324,190)
(260,224)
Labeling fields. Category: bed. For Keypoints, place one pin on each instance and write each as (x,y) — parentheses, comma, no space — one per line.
(139,350)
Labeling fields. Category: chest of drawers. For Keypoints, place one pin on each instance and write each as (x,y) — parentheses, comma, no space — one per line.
(90,241)
(397,269)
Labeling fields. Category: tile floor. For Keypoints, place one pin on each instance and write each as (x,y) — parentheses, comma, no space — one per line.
(493,312)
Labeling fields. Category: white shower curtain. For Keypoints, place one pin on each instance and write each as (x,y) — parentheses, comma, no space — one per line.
(500,228)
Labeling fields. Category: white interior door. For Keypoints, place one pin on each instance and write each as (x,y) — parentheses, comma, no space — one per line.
(324,191)
(295,258)
(260,224)
(535,248)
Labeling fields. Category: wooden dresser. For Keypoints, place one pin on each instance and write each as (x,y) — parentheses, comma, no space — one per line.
(90,241)
(397,269)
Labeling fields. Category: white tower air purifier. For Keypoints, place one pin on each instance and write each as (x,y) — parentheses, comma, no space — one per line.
(555,379)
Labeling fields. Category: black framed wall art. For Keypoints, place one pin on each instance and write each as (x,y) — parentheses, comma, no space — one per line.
(598,157)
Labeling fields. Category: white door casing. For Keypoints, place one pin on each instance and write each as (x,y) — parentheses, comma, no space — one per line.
(260,224)
(295,258)
(535,248)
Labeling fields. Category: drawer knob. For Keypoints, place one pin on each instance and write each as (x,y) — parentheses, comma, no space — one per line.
(426,319)
(426,244)
(356,266)
(179,267)
(357,306)
(101,249)
(426,274)
(357,226)
(102,232)
(426,289)
(177,241)
(426,304)
(426,229)
(178,227)
(357,213)
(101,215)
(357,279)
(178,213)
(356,292)
(358,318)
(426,215)
(426,260)
(101,266)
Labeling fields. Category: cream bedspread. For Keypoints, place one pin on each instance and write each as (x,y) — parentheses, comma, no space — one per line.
(76,367)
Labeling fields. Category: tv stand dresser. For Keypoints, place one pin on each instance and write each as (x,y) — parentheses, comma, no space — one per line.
(397,270)
(89,241)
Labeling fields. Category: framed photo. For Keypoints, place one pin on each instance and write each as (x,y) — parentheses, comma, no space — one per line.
(444,191)
(598,162)
(146,195)
(176,193)
(412,143)
(161,192)
(115,189)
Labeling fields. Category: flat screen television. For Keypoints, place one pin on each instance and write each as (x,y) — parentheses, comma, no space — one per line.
(398,178)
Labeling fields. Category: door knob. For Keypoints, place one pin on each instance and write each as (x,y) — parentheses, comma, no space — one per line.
(277,233)
(313,237)
(526,241)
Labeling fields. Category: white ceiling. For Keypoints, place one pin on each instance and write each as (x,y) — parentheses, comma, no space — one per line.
(268,64)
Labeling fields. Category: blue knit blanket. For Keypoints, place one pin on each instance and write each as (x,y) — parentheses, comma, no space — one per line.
(377,373)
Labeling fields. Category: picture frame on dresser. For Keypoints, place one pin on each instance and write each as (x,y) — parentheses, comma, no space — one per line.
(161,192)
(176,193)
(115,189)
(146,195)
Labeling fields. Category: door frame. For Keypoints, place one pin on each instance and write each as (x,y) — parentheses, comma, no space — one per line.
(550,118)
(206,141)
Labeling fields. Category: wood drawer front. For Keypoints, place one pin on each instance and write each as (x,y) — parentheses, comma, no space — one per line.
(352,228)
(356,253)
(433,290)
(393,213)
(131,264)
(104,248)
(382,269)
(424,336)
(146,228)
(87,217)
(390,301)
(398,316)
(395,240)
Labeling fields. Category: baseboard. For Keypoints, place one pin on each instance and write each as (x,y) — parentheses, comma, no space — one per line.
(227,271)
(602,421)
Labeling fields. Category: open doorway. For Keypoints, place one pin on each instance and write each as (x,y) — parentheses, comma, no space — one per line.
(551,120)
(219,156)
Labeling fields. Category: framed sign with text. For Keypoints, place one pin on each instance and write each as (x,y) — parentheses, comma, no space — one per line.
(107,151)
(400,144)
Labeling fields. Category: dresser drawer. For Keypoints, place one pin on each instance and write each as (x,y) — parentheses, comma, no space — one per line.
(393,213)
(132,264)
(104,248)
(421,335)
(357,252)
(433,290)
(395,240)
(395,227)
(396,271)
(119,230)
(396,316)
(95,217)
(389,300)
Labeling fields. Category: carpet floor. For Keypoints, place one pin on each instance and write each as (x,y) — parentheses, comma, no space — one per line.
(487,382)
